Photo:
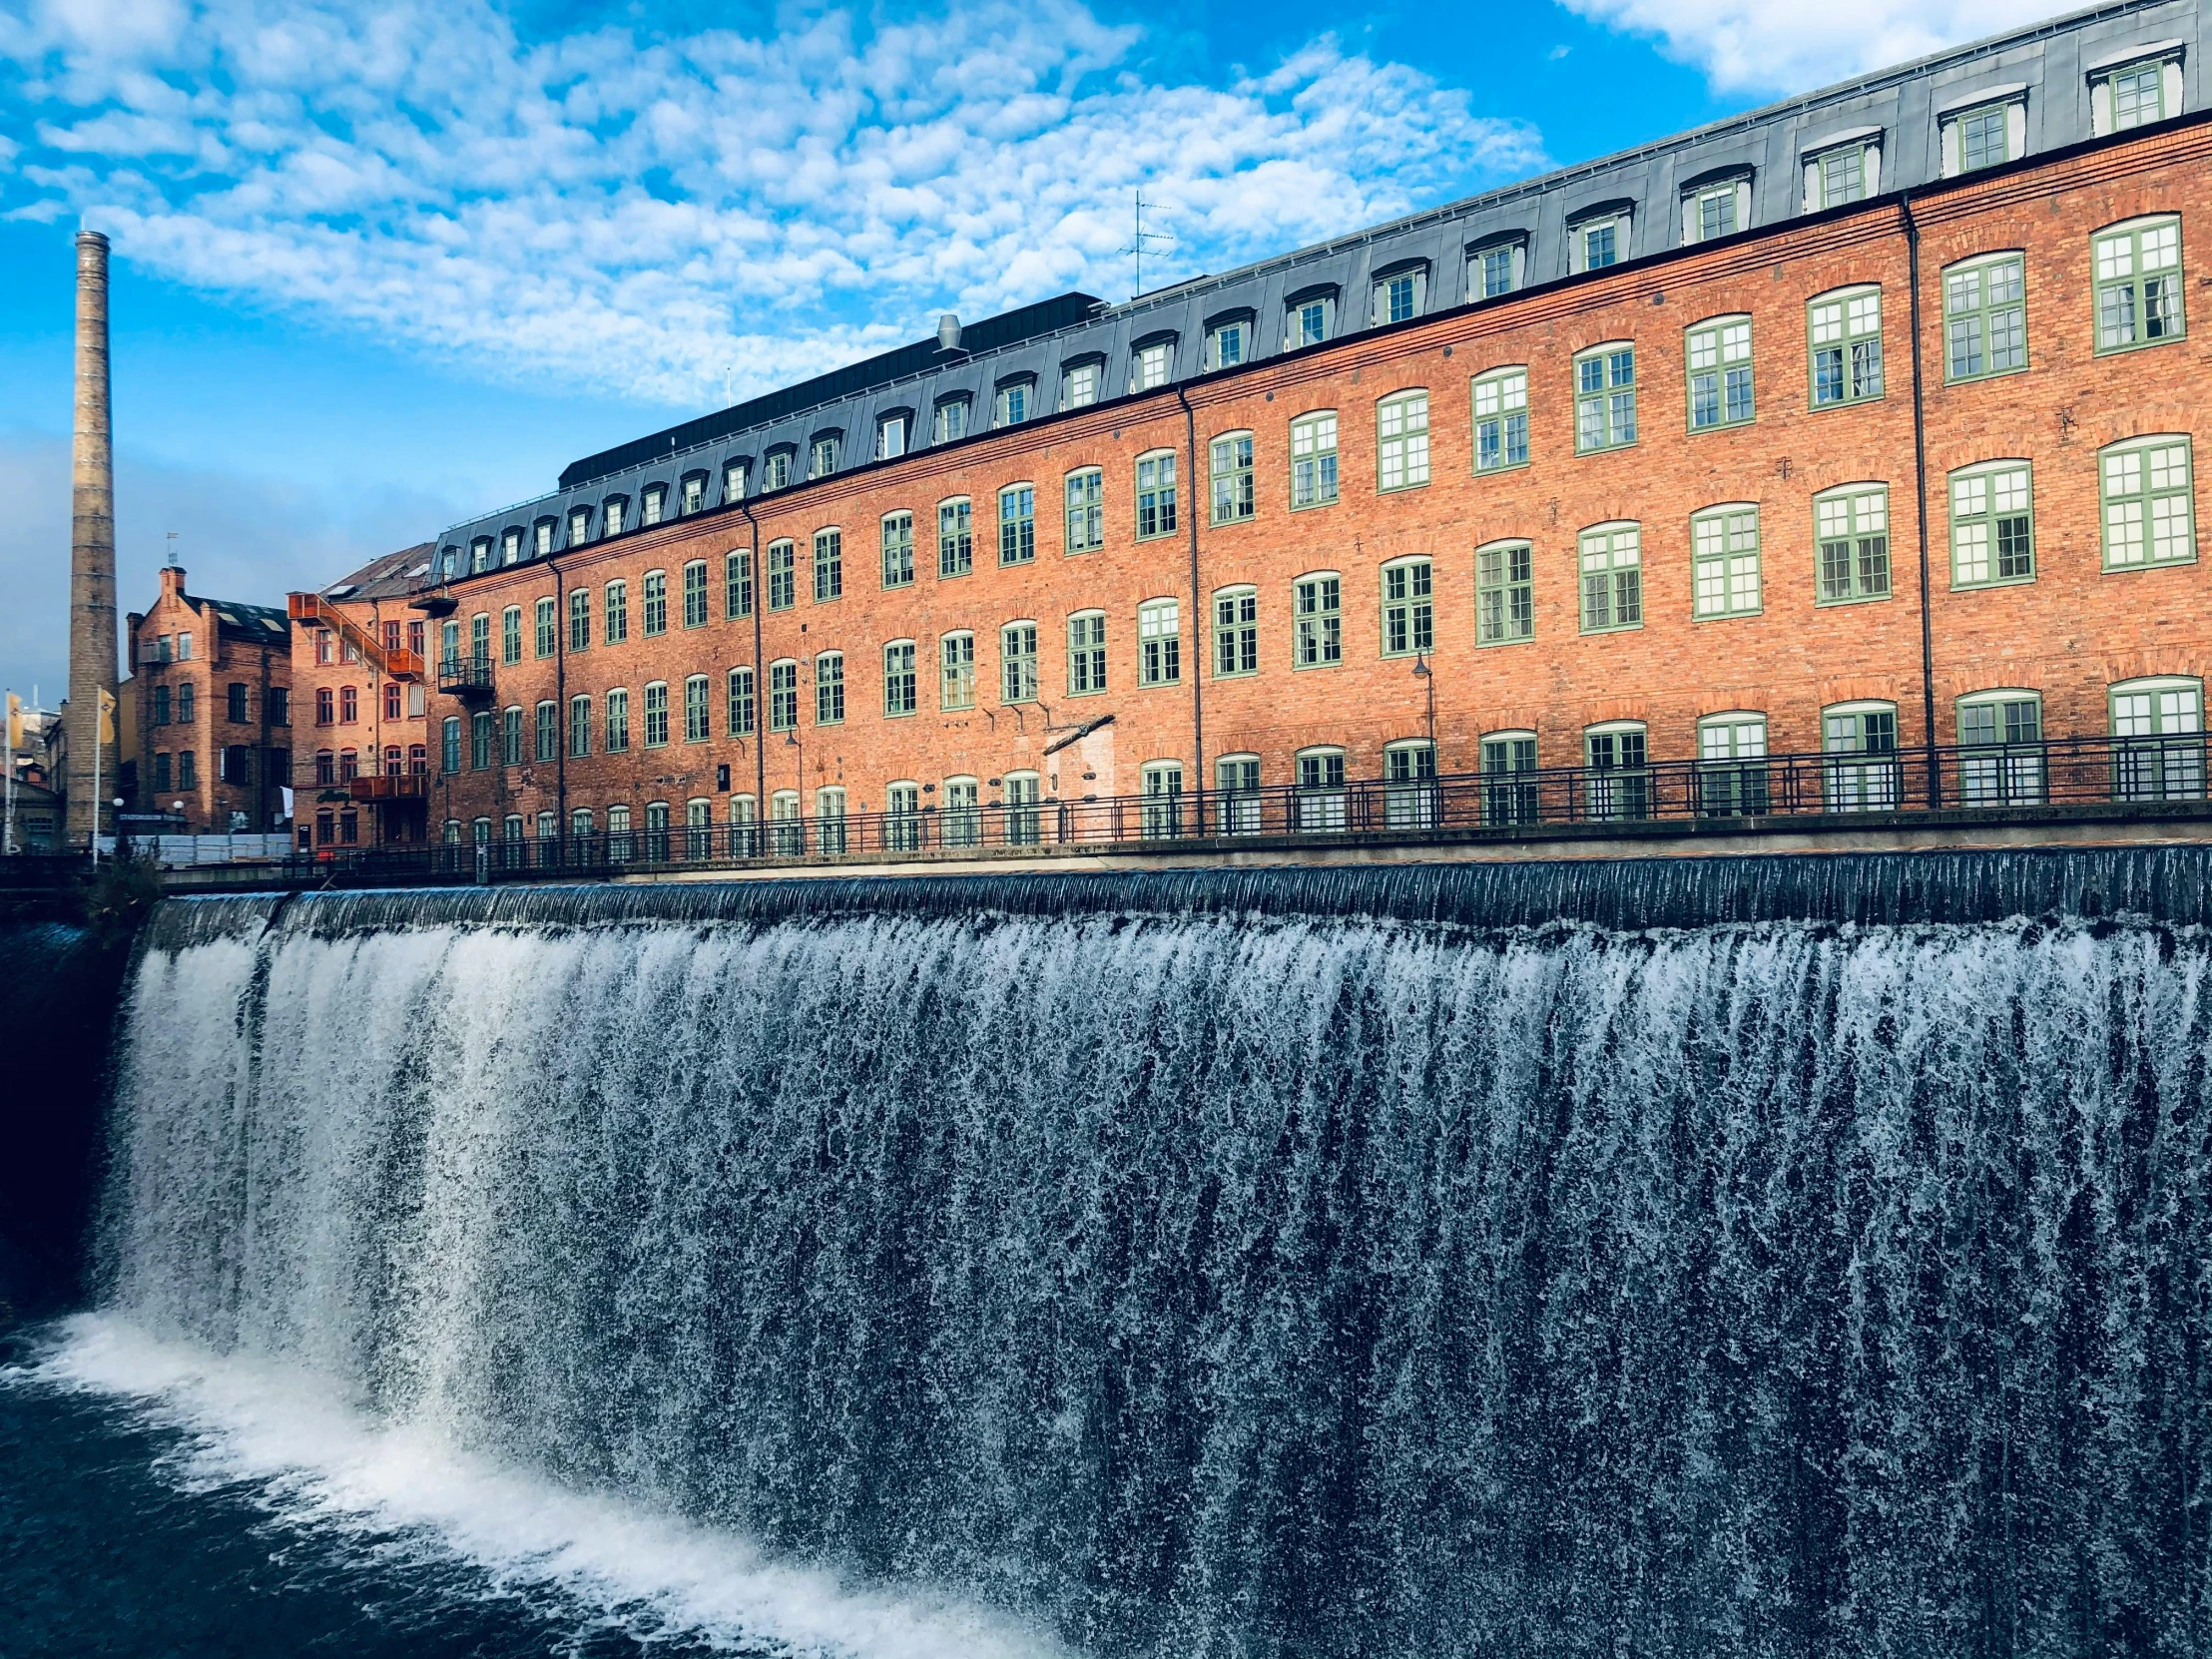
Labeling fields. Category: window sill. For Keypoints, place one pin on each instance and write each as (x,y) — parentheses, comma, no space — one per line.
(1313,668)
(1159,684)
(1503,466)
(1156,535)
(1400,489)
(1494,645)
(1751,419)
(2148,564)
(1231,522)
(1606,448)
(2140,346)
(1615,628)
(1993,582)
(1846,404)
(1987,375)
(1854,599)
(1314,506)
(1729,616)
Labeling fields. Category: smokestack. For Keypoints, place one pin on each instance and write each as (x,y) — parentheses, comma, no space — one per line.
(92,668)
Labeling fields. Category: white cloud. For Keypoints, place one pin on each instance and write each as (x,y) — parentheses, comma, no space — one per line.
(1778,46)
(609,211)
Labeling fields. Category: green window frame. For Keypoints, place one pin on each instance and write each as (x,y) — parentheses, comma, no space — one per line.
(901,693)
(695,593)
(782,695)
(1720,376)
(829,565)
(1502,419)
(2137,94)
(1982,136)
(449,744)
(656,715)
(1605,398)
(614,625)
(736,584)
(1986,317)
(1851,530)
(1316,604)
(2157,729)
(578,619)
(1229,458)
(898,550)
(1611,561)
(481,740)
(2146,496)
(738,712)
(1314,461)
(548,630)
(1723,562)
(957,671)
(545,732)
(1086,653)
(829,689)
(783,575)
(2005,729)
(618,722)
(655,603)
(1236,632)
(1018,659)
(955,537)
(579,726)
(1504,593)
(1844,343)
(1086,509)
(1156,514)
(2138,284)
(1409,608)
(698,709)
(1840,174)
(1159,643)
(1401,441)
(1992,525)
(511,634)
(1017,524)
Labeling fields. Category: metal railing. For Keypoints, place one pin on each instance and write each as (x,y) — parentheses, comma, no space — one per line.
(1841,788)
(465,676)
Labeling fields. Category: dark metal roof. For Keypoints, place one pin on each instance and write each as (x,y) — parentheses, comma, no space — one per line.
(252,624)
(387,577)
(1043,317)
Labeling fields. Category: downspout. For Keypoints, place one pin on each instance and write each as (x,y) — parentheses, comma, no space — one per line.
(760,686)
(560,704)
(1920,480)
(1198,612)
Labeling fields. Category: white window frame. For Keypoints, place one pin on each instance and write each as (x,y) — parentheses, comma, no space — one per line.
(1081,383)
(1385,286)
(1151,365)
(1621,220)
(892,434)
(1735,191)
(1515,253)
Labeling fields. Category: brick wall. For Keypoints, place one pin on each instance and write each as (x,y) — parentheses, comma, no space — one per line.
(357,742)
(2067,633)
(215,663)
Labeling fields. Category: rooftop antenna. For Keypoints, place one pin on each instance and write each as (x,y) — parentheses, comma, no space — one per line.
(1137,242)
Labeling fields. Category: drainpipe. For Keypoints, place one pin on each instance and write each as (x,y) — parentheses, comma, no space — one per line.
(760,686)
(1920,480)
(1198,612)
(560,705)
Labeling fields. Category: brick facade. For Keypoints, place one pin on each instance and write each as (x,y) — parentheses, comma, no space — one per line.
(2069,634)
(213,682)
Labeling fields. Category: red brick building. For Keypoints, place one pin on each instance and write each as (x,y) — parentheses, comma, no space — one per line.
(1916,467)
(357,666)
(213,679)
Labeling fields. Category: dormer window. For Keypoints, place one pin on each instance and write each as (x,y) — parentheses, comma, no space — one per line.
(1498,267)
(510,547)
(775,472)
(1843,168)
(578,525)
(479,555)
(542,536)
(2135,89)
(1400,295)
(821,454)
(1312,319)
(695,493)
(617,517)
(1984,129)
(1229,343)
(1014,404)
(1079,384)
(891,434)
(1716,207)
(733,481)
(1149,365)
(656,504)
(1598,239)
(951,421)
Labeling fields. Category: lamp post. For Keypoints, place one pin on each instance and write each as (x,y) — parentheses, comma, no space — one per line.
(1431,802)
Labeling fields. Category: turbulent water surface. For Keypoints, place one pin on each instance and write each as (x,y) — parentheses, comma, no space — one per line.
(1230,1282)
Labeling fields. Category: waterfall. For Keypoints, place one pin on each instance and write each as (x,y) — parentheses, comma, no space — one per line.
(1538,1261)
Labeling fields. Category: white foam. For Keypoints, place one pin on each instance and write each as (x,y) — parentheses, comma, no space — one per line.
(318,1463)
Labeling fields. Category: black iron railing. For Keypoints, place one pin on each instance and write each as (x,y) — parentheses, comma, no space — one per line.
(465,676)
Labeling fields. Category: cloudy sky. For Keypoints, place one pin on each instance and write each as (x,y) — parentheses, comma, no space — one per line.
(380,264)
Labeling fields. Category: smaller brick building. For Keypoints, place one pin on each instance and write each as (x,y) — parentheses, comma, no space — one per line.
(213,684)
(363,772)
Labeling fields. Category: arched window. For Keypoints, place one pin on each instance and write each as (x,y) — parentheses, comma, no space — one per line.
(2147,494)
(1163,799)
(1237,781)
(2158,739)
(829,689)
(1992,524)
(782,696)
(1851,524)
(1018,656)
(957,665)
(1402,440)
(1409,607)
(1409,798)
(1511,791)
(2000,742)
(1844,330)
(1724,561)
(899,696)
(1236,632)
(1870,781)
(1316,607)
(1732,764)
(1229,458)
(1314,459)
(698,707)
(1159,643)
(656,715)
(1319,803)
(962,820)
(1615,784)
(1718,353)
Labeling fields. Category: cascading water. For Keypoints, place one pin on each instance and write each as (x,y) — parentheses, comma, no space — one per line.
(1233,1267)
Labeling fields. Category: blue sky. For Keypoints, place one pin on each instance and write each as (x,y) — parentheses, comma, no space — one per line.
(382,263)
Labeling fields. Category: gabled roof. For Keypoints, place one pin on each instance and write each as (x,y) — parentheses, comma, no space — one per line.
(247,624)
(389,577)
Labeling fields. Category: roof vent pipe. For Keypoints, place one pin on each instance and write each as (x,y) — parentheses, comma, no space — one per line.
(949,333)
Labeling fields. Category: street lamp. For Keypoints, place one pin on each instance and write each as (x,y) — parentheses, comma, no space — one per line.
(1431,803)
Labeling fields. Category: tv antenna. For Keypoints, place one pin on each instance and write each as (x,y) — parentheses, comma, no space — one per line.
(1137,242)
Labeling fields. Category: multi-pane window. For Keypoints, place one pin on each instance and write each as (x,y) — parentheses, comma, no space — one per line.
(783,575)
(1236,632)
(655,499)
(1229,343)
(1511,790)
(1232,497)
(1409,608)
(1314,459)
(829,689)
(2158,747)
(656,715)
(898,550)
(1320,803)
(2007,729)
(2139,94)
(579,526)
(1018,656)
(1501,420)
(1079,385)
(548,618)
(899,695)
(1711,212)
(1086,653)
(1399,295)
(782,696)
(1861,729)
(1605,398)
(2146,496)
(483,739)
(1992,537)
(1732,765)
(449,746)
(1599,242)
(511,634)
(1986,317)
(737,695)
(1724,561)
(1159,643)
(1720,374)
(578,619)
(1401,441)
(2138,269)
(1496,270)
(546,732)
(1316,608)
(1086,515)
(695,594)
(736,584)
(829,565)
(1852,527)
(615,613)
(698,709)
(618,722)
(694,492)
(1155,495)
(775,471)
(733,481)
(1017,524)
(957,671)
(955,538)
(579,726)
(1148,368)
(1163,799)
(1981,138)
(1615,785)
(1011,406)
(655,603)
(1839,175)
(1612,562)
(1308,321)
(951,421)
(1237,783)
(1845,334)
(1504,593)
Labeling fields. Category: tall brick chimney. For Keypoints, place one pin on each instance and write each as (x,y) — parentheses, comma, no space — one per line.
(92,666)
